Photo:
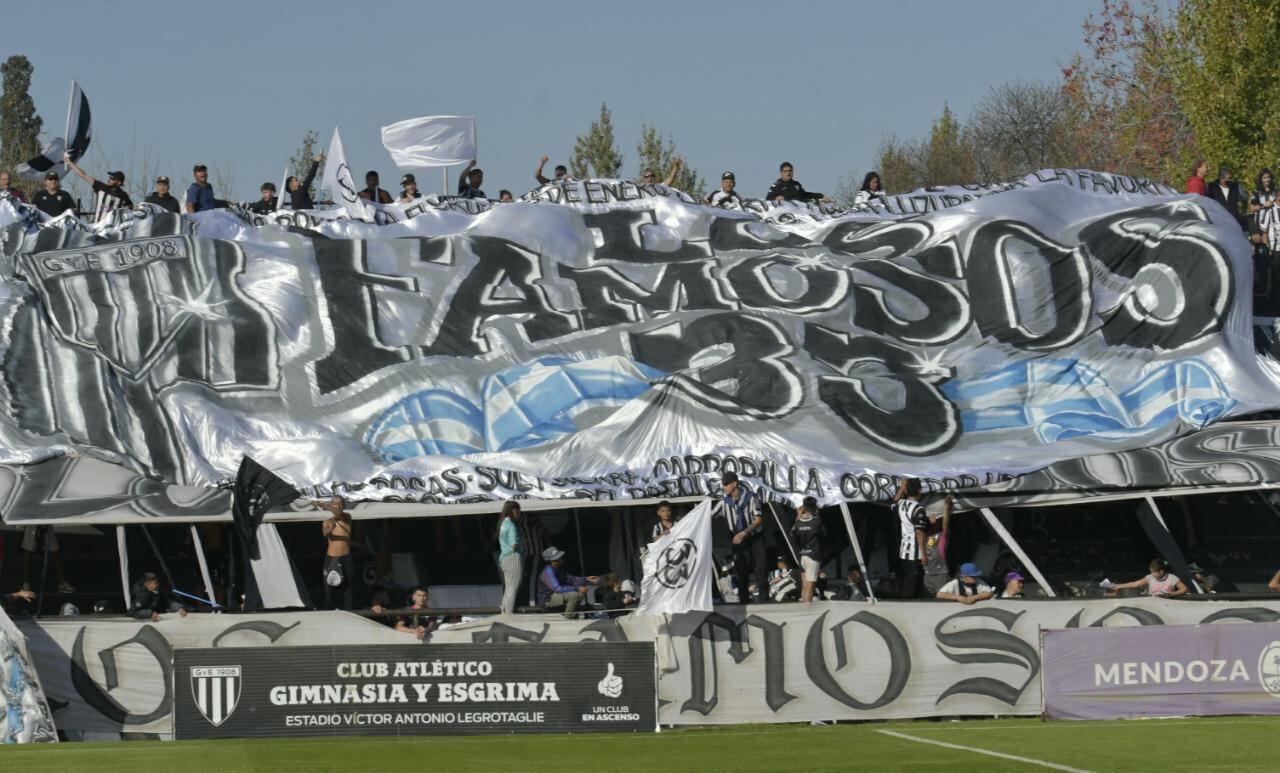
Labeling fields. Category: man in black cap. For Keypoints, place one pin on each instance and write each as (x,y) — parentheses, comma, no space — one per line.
(743,516)
(148,601)
(726,196)
(200,193)
(300,190)
(371,191)
(109,196)
(161,196)
(53,201)
(470,181)
(787,188)
(409,194)
(269,201)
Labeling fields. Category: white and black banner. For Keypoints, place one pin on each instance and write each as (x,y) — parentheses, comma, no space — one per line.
(767,663)
(678,567)
(24,712)
(609,341)
(411,689)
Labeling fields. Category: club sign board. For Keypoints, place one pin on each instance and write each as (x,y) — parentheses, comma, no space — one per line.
(415,689)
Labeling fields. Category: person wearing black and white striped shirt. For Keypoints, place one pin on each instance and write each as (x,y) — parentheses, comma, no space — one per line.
(108,196)
(666,521)
(913,521)
(742,514)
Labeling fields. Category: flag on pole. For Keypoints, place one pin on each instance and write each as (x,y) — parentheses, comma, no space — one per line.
(75,143)
(437,140)
(271,579)
(678,569)
(337,178)
(284,183)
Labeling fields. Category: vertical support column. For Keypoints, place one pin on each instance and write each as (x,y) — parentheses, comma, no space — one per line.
(122,547)
(857,549)
(204,565)
(1013,545)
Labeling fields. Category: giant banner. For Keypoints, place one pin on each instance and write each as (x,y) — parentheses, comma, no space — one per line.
(1176,671)
(769,663)
(606,340)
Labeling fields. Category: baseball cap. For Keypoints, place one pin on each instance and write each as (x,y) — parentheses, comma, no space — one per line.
(728,176)
(115,176)
(199,168)
(408,179)
(552,553)
(265,186)
(729,477)
(162,179)
(970,570)
(51,176)
(149,576)
(1011,576)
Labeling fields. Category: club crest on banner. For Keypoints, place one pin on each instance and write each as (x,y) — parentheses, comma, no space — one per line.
(216,690)
(1269,669)
(675,563)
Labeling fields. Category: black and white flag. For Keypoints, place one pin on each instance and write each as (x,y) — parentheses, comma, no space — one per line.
(272,581)
(678,567)
(75,143)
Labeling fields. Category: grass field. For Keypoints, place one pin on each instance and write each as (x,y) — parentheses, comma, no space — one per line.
(1235,744)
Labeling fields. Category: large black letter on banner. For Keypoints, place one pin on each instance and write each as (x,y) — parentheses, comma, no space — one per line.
(731,362)
(1001,647)
(815,662)
(924,423)
(1181,285)
(349,293)
(622,237)
(610,298)
(476,300)
(993,288)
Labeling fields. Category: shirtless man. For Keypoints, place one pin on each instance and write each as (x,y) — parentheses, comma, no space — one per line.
(339,569)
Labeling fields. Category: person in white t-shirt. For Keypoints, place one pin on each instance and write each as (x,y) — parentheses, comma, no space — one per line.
(1161,582)
(967,587)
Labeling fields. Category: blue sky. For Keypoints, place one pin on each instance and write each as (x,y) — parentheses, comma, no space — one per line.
(739,85)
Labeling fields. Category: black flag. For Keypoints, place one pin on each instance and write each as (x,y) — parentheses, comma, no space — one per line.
(257,490)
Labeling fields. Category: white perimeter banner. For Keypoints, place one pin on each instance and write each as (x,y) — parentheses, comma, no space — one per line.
(765,663)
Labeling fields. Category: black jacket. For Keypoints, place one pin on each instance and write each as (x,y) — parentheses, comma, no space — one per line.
(146,602)
(261,207)
(1232,200)
(301,198)
(166,201)
(791,190)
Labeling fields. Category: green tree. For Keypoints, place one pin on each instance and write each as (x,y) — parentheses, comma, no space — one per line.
(1124,113)
(19,123)
(300,161)
(658,152)
(948,157)
(901,164)
(1225,79)
(595,154)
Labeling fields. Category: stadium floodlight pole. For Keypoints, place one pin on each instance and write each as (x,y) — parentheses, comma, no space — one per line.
(122,548)
(1013,545)
(795,559)
(857,549)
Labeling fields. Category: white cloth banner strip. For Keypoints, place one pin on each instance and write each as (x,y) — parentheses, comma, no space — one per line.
(437,140)
(274,572)
(678,567)
(602,340)
(768,663)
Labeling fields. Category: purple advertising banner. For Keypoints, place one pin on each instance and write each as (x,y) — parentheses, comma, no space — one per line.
(1161,671)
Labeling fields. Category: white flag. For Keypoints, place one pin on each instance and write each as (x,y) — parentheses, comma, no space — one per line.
(437,140)
(338,181)
(678,569)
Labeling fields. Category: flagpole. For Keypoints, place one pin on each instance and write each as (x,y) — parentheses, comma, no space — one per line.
(787,539)
(71,100)
(857,549)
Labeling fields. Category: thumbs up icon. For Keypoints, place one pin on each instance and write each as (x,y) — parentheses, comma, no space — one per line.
(611,685)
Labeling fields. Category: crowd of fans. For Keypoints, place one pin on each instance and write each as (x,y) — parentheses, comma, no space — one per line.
(110,195)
